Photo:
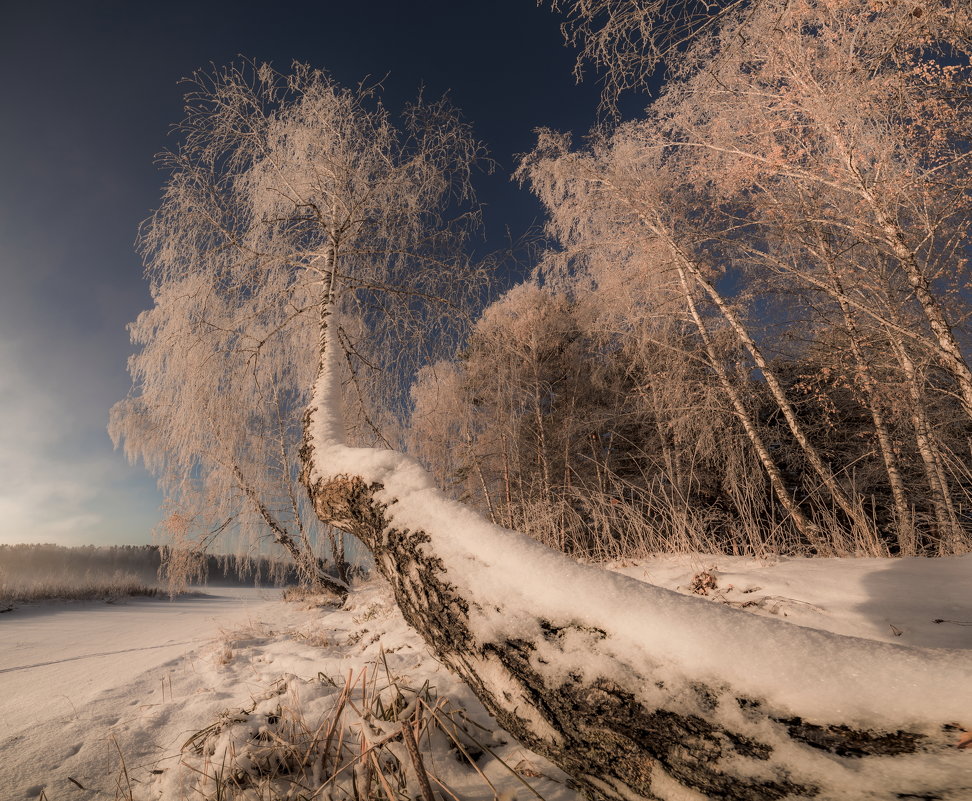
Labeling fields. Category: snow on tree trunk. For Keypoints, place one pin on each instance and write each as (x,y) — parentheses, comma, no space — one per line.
(635,691)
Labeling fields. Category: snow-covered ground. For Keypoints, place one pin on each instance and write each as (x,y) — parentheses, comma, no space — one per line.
(73,674)
(921,602)
(84,685)
(88,686)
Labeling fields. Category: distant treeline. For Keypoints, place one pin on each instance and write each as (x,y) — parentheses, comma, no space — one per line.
(27,562)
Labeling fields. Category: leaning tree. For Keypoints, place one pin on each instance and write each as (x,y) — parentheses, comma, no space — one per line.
(299,245)
(289,199)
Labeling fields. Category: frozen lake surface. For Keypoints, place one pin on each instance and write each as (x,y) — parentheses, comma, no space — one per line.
(68,667)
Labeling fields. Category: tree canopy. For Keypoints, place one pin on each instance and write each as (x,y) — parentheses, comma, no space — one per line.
(289,197)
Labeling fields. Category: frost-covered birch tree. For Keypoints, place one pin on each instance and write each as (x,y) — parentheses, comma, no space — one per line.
(290,200)
(637,693)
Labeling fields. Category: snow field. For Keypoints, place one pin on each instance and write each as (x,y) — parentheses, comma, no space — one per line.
(77,677)
(234,697)
(275,701)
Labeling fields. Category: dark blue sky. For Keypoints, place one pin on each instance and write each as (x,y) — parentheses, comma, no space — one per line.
(91,91)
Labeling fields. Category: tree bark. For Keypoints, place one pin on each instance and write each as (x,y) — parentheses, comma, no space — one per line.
(906,537)
(623,727)
(803,525)
(947,526)
(949,351)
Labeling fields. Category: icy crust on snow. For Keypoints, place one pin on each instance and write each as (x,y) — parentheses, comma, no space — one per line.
(609,622)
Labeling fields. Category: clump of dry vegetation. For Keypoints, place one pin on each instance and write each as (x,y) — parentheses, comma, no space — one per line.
(308,597)
(370,735)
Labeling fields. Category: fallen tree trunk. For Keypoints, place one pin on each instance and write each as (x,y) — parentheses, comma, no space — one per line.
(634,691)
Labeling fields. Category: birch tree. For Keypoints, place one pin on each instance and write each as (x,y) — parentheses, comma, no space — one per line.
(865,111)
(289,199)
(848,123)
(562,679)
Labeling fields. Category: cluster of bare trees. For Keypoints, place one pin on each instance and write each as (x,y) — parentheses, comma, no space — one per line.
(748,332)
(745,336)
